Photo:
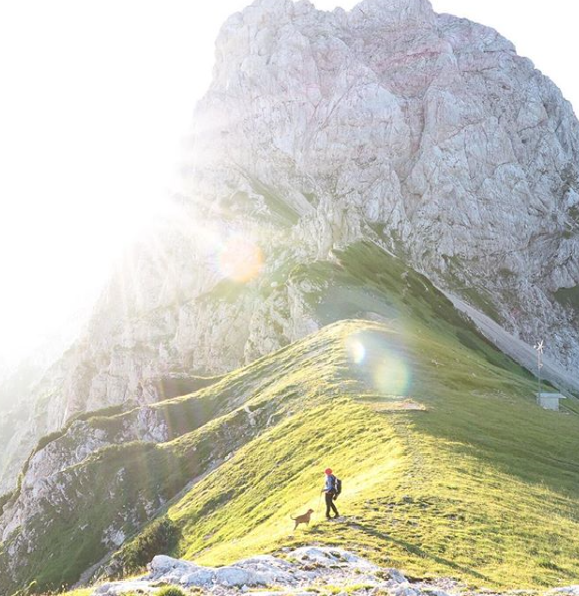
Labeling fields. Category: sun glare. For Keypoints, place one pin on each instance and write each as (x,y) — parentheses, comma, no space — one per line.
(240,259)
(86,160)
(391,375)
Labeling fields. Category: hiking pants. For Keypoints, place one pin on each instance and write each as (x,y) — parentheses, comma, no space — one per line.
(330,504)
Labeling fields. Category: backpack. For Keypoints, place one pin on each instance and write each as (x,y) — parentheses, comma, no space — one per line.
(337,487)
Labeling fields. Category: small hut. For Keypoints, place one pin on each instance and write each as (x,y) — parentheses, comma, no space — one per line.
(550,401)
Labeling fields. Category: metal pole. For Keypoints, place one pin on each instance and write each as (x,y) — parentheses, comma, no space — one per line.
(539,373)
(539,347)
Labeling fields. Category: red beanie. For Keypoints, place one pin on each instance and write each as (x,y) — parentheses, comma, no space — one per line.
(328,471)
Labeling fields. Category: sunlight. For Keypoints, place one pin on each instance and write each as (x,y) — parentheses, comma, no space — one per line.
(85,162)
(223,249)
(240,259)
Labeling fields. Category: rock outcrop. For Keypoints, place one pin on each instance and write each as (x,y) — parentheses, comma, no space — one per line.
(297,571)
(423,133)
(303,571)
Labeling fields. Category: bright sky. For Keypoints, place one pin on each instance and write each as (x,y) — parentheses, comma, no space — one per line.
(95,97)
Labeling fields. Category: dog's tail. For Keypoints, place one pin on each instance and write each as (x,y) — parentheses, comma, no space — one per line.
(292,518)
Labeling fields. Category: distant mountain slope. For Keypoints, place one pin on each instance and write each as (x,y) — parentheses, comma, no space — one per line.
(422,418)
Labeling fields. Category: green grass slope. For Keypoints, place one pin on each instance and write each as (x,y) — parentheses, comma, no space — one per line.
(449,467)
(124,485)
(480,485)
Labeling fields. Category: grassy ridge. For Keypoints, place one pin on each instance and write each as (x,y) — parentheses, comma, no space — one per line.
(483,485)
(449,467)
(120,487)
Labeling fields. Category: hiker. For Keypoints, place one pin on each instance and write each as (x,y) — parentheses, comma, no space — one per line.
(331,490)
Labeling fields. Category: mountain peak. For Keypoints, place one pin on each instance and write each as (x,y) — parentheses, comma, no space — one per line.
(260,12)
(395,11)
(424,126)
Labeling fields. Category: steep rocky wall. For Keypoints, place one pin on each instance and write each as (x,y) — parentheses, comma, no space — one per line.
(430,128)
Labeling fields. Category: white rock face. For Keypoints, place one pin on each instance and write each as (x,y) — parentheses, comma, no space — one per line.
(428,126)
(47,476)
(424,133)
(296,572)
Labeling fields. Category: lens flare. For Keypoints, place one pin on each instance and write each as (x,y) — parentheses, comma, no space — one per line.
(391,375)
(240,259)
(379,359)
(356,350)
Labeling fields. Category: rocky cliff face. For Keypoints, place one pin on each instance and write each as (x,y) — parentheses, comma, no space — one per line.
(426,128)
(424,133)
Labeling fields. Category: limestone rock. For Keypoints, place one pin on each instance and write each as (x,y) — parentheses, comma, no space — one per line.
(290,575)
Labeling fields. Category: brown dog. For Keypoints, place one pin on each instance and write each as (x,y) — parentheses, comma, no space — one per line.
(303,519)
